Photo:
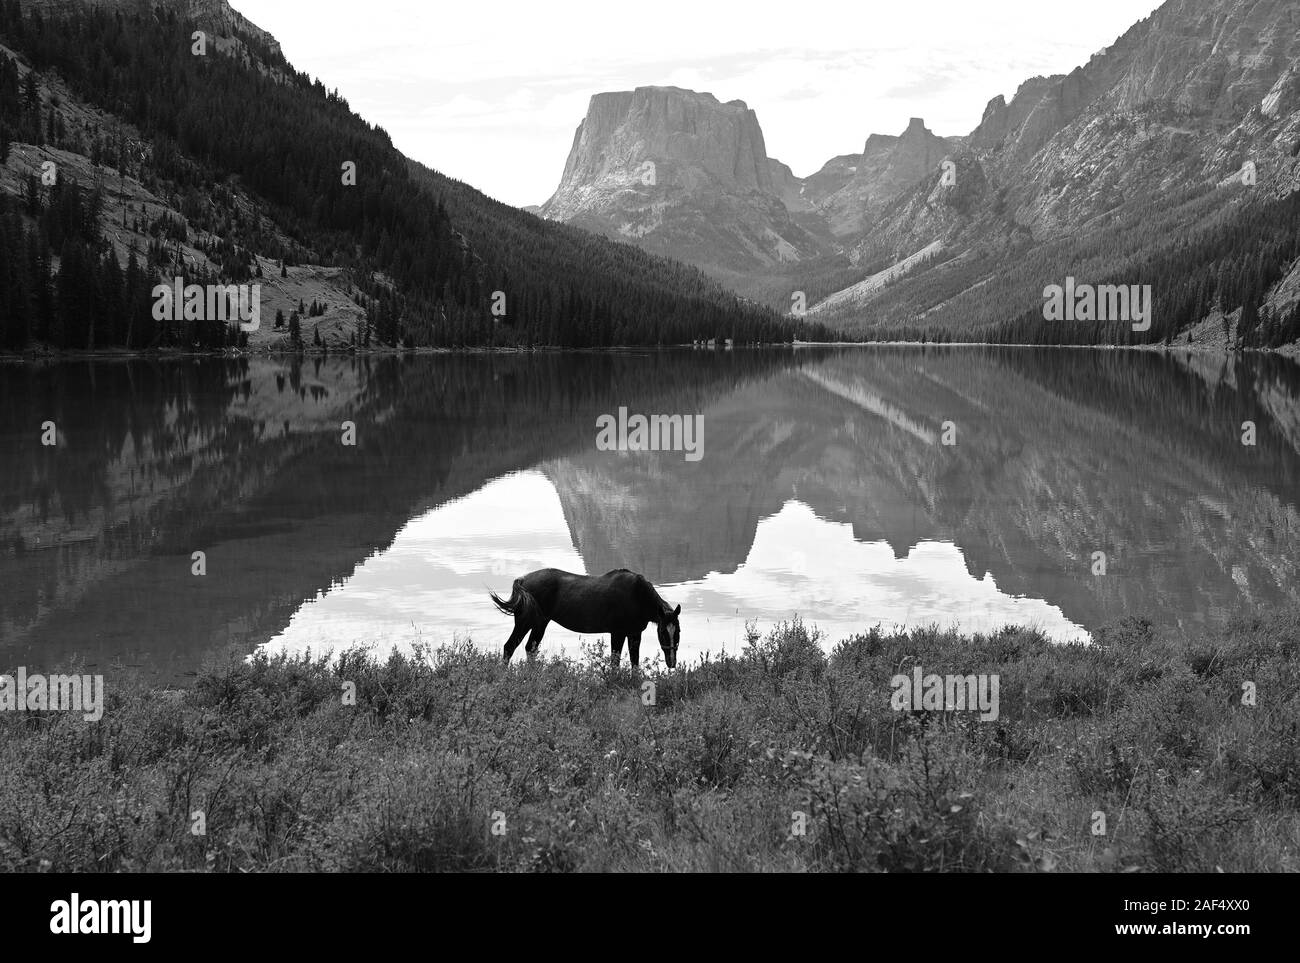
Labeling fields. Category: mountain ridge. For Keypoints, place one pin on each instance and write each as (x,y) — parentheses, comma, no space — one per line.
(1196,97)
(229,166)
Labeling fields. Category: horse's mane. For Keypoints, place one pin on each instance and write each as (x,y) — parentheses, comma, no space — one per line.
(664,607)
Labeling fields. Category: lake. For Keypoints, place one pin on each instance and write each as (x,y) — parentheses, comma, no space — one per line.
(901,486)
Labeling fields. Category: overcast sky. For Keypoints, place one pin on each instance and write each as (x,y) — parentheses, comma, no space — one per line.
(491,92)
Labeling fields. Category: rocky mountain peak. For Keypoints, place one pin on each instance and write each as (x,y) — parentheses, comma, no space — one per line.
(849,190)
(645,162)
(683,133)
(917,150)
(878,143)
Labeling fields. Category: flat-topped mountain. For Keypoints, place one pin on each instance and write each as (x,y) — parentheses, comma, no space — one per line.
(685,133)
(681,173)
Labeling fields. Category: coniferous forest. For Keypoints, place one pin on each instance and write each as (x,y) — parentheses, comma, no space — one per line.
(425,254)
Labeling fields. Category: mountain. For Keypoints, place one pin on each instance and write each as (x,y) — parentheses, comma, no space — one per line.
(217,16)
(127,157)
(852,190)
(682,174)
(1169,159)
(1130,169)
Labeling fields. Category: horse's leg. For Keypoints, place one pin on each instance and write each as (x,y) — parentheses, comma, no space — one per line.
(615,648)
(535,639)
(634,649)
(516,636)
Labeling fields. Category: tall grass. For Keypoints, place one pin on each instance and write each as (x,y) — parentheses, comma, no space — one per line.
(782,758)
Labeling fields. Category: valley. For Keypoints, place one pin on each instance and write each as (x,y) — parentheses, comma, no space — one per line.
(1126,170)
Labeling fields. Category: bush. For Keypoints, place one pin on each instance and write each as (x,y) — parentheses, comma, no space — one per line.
(781,758)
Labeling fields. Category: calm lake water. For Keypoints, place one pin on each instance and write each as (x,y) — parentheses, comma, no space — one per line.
(825,490)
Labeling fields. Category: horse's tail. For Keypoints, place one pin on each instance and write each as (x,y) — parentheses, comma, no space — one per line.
(521,603)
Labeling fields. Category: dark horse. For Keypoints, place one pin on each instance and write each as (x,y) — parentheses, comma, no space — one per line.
(620,602)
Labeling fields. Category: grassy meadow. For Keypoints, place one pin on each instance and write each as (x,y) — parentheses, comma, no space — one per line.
(783,758)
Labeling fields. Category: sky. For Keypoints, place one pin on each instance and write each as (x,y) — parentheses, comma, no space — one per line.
(491,92)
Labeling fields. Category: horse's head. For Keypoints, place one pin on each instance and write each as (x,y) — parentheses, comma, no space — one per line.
(670,633)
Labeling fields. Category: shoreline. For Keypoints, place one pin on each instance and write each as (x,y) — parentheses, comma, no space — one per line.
(155,354)
(1288,350)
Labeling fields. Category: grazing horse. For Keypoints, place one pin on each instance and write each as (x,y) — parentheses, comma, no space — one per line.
(620,602)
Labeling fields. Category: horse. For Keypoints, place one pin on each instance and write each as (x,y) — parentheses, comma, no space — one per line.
(619,602)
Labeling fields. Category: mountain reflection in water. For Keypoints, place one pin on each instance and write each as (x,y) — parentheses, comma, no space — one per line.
(824,490)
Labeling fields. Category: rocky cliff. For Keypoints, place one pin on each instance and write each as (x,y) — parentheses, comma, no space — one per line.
(690,136)
(886,166)
(680,173)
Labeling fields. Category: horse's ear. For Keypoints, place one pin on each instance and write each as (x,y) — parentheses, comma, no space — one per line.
(677,611)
